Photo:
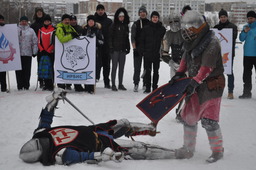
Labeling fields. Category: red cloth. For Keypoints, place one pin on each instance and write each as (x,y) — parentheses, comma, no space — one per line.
(45,39)
(192,111)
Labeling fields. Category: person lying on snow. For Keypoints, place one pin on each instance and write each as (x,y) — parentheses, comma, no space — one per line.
(66,145)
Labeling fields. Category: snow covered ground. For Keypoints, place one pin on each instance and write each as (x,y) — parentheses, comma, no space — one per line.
(20,111)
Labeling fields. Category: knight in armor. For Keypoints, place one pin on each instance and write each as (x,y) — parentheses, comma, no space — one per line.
(173,40)
(203,61)
(66,145)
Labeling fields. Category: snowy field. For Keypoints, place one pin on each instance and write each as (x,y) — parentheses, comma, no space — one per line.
(20,111)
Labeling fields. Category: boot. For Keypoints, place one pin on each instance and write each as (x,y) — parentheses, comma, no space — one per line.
(247,92)
(215,141)
(230,96)
(188,149)
(136,87)
(121,87)
(245,96)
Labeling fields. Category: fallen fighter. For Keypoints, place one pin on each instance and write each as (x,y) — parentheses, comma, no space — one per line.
(67,145)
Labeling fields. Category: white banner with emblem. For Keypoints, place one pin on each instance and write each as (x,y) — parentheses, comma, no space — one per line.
(9,48)
(75,61)
(226,41)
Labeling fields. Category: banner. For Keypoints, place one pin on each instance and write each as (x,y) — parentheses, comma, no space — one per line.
(226,42)
(9,48)
(75,61)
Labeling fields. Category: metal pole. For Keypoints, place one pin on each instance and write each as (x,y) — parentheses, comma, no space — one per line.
(65,98)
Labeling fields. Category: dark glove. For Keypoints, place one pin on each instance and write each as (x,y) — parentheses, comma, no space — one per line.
(191,88)
(166,58)
(74,35)
(44,53)
(176,77)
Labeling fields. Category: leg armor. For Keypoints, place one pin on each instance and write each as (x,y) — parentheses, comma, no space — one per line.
(124,127)
(142,151)
(215,139)
(188,149)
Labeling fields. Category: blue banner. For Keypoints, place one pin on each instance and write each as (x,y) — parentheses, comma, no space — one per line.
(74,76)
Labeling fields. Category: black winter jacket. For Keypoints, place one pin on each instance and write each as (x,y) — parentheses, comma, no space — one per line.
(151,39)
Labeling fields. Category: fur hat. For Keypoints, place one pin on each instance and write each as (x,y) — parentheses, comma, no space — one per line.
(251,14)
(90,17)
(223,12)
(47,18)
(65,16)
(1,17)
(39,9)
(142,9)
(23,18)
(154,13)
(100,6)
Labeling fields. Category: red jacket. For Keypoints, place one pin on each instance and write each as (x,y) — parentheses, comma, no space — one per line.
(46,39)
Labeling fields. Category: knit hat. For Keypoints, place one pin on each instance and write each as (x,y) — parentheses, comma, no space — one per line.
(65,16)
(23,18)
(90,17)
(47,18)
(1,17)
(100,6)
(154,13)
(39,9)
(251,14)
(142,9)
(223,12)
(73,17)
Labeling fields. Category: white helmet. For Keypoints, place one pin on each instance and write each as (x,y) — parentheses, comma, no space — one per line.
(192,24)
(174,21)
(31,151)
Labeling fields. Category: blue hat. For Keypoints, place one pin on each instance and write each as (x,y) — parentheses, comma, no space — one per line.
(23,18)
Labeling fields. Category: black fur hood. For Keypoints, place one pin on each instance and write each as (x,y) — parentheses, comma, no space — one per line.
(126,17)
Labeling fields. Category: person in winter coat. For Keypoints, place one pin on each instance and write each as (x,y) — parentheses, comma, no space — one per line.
(119,46)
(203,61)
(36,25)
(66,145)
(151,39)
(135,39)
(102,18)
(65,32)
(28,48)
(224,23)
(174,40)
(248,35)
(46,36)
(3,73)
(93,29)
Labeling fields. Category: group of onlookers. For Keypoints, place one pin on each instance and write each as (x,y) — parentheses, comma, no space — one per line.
(148,38)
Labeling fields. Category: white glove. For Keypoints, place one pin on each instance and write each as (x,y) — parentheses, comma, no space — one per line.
(109,155)
(58,93)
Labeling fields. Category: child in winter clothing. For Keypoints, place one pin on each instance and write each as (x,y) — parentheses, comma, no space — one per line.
(46,35)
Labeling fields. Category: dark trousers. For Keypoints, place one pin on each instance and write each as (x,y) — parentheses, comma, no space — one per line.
(137,61)
(231,78)
(3,81)
(23,75)
(248,62)
(105,58)
(118,59)
(148,68)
